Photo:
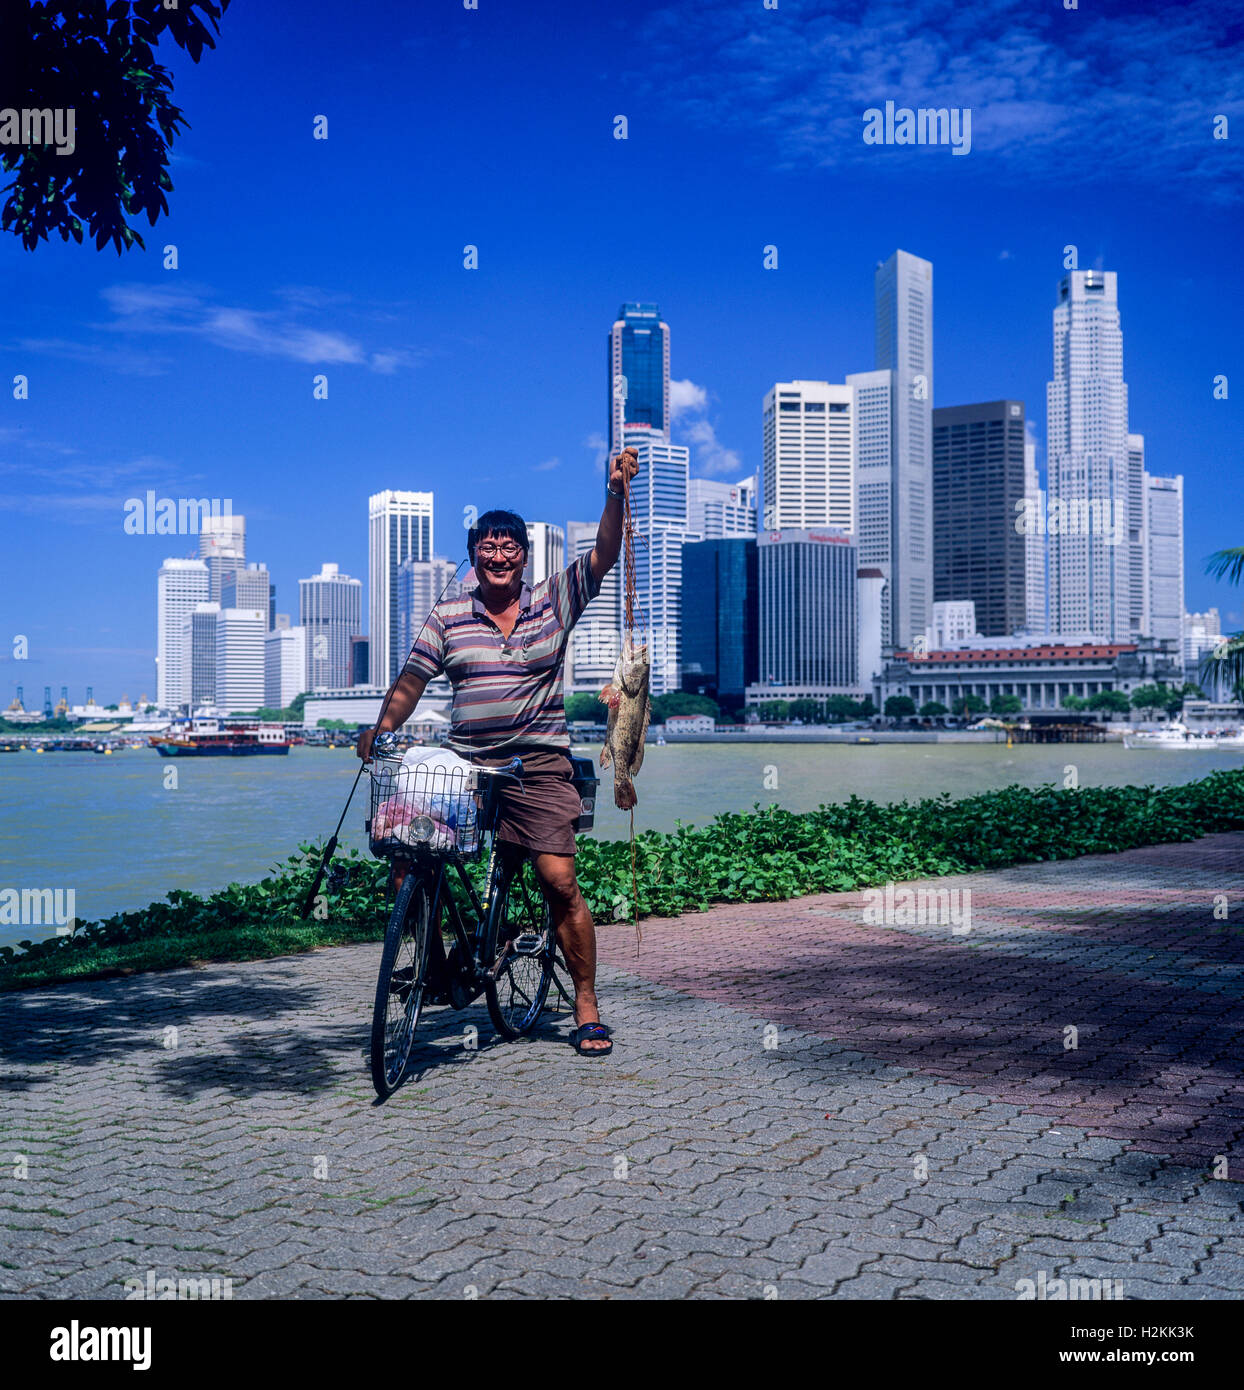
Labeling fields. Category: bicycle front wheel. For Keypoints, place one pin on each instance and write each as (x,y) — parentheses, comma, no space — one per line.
(524,949)
(400,988)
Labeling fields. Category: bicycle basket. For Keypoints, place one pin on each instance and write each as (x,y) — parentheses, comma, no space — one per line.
(415,807)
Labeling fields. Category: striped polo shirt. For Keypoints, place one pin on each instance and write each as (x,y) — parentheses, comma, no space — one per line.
(507,690)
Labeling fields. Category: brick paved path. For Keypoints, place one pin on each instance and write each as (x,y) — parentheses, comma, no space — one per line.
(800,1104)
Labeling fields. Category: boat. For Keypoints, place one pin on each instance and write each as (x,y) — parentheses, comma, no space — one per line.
(212,738)
(1178,735)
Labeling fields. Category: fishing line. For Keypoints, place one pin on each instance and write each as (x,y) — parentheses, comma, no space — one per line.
(331,848)
(630,599)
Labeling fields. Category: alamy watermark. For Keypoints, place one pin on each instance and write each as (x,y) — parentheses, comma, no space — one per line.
(172,516)
(926,125)
(894,906)
(39,907)
(34,126)
(1074,516)
(1057,1290)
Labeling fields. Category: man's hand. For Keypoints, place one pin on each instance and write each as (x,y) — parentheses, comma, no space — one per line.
(363,748)
(624,465)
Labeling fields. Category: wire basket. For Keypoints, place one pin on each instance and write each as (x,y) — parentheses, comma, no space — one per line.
(416,808)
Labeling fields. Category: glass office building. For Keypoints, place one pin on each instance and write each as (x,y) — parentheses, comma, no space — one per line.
(639,351)
(720,618)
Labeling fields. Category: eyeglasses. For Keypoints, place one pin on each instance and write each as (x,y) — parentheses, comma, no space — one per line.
(486,550)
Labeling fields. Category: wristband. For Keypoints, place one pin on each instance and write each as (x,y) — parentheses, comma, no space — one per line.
(611,493)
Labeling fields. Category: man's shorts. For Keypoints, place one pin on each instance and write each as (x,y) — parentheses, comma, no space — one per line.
(540,814)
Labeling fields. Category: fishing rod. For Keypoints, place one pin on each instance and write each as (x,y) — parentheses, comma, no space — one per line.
(331,848)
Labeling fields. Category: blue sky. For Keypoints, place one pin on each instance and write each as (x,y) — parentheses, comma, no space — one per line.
(494,127)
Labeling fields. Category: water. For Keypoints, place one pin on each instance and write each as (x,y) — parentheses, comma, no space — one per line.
(108,827)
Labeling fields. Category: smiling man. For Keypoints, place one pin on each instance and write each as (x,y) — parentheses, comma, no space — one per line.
(503,645)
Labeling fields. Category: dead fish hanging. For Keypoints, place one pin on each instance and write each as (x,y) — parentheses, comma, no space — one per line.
(627,696)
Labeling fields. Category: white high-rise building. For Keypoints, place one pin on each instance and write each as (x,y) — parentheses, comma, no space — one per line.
(1201,633)
(222,547)
(1137,538)
(240,634)
(547,554)
(1164,559)
(198,645)
(399,527)
(809,456)
(285,666)
(420,585)
(330,609)
(181,585)
(903,288)
(594,638)
(659,510)
(874,450)
(954,621)
(1088,466)
(1036,589)
(249,586)
(716,510)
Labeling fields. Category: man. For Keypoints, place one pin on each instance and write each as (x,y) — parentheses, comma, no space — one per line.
(502,645)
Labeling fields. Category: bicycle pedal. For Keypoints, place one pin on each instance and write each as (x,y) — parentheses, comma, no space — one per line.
(529,943)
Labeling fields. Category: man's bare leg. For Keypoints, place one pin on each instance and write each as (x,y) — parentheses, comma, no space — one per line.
(576,935)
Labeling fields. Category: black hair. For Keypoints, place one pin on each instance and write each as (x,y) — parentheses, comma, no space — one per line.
(504,525)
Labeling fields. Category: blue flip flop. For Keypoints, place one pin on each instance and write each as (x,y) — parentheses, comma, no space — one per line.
(590,1030)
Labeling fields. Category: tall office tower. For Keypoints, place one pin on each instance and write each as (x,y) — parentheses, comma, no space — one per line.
(721,509)
(1137,539)
(399,527)
(330,608)
(222,547)
(1036,586)
(809,615)
(1164,561)
(181,585)
(874,458)
(1201,633)
(419,586)
(659,510)
(251,587)
(720,618)
(594,638)
(285,666)
(639,351)
(198,684)
(360,666)
(547,554)
(1087,464)
(978,477)
(809,455)
(903,288)
(240,634)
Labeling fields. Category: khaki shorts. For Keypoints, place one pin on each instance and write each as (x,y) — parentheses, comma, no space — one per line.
(540,814)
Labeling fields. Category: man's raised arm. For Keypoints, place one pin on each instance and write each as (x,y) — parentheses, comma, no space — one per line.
(404,695)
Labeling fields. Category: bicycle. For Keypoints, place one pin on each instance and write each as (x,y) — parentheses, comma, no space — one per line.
(429,821)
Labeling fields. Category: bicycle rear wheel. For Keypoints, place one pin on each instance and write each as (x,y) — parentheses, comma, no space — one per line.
(400,988)
(523,949)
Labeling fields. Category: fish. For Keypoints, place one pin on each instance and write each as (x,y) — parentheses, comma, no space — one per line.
(629,710)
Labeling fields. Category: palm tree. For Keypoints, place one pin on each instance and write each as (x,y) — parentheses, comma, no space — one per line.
(1226,662)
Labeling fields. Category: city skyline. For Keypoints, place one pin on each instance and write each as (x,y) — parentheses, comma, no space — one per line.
(199,382)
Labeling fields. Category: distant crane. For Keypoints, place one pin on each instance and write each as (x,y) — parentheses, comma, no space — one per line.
(47,702)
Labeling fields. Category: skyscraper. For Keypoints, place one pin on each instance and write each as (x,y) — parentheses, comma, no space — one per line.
(809,615)
(547,554)
(420,583)
(181,585)
(1164,559)
(251,587)
(285,666)
(978,477)
(594,638)
(874,449)
(659,509)
(222,547)
(1137,539)
(638,352)
(716,509)
(1035,567)
(240,634)
(809,455)
(720,618)
(199,656)
(330,610)
(904,306)
(1087,463)
(399,528)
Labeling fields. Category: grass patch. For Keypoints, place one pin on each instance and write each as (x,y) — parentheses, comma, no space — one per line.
(765,855)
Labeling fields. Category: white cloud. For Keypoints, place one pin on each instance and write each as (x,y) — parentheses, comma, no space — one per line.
(600,446)
(546,466)
(709,456)
(686,395)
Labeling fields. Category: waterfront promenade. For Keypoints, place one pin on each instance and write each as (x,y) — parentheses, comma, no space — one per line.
(801,1103)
